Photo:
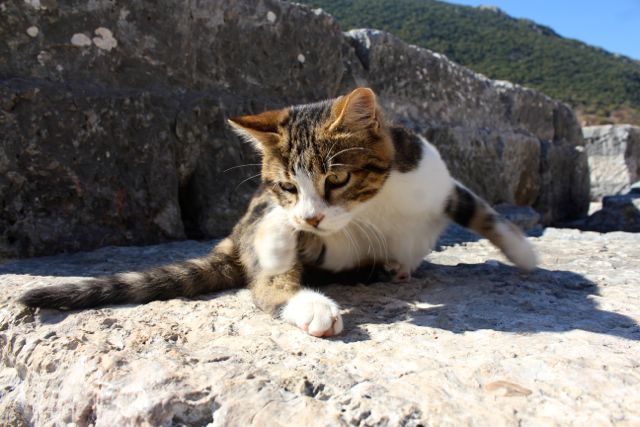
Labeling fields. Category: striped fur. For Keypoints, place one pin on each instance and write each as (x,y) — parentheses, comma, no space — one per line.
(469,210)
(217,271)
(342,190)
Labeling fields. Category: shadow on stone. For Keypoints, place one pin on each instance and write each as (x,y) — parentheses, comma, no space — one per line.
(108,260)
(53,316)
(457,298)
(471,297)
(455,235)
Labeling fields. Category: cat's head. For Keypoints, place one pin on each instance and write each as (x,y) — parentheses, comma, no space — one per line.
(323,161)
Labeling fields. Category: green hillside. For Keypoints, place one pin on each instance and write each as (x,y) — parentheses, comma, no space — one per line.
(602,87)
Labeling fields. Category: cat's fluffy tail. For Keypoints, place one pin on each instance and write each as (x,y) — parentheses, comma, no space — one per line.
(216,271)
(469,210)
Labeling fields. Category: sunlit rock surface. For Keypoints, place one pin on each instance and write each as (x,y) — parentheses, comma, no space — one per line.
(469,340)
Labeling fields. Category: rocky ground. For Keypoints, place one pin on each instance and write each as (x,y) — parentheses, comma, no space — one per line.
(469,341)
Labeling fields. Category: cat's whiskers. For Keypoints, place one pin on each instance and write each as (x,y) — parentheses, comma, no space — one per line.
(372,249)
(353,245)
(352,242)
(355,242)
(329,152)
(344,165)
(245,180)
(241,166)
(381,238)
(344,151)
(377,241)
(364,232)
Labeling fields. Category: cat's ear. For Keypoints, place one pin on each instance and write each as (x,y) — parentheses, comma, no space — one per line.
(356,111)
(259,129)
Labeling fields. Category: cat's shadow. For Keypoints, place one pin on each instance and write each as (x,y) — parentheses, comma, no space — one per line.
(492,296)
(460,298)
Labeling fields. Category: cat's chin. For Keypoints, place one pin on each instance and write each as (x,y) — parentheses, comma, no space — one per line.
(324,232)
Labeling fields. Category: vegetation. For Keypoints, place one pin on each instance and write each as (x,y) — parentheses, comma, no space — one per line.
(600,86)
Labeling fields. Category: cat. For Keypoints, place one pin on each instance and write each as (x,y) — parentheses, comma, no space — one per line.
(341,189)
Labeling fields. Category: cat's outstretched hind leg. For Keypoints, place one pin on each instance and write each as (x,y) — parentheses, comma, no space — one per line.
(469,210)
(399,273)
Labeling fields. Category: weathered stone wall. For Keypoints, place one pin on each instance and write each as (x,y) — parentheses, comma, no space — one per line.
(509,143)
(112,116)
(129,144)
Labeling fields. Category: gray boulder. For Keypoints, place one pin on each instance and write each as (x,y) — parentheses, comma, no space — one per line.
(618,213)
(508,143)
(614,158)
(113,116)
(524,217)
(70,178)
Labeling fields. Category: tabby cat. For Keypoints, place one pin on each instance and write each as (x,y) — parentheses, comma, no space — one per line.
(341,189)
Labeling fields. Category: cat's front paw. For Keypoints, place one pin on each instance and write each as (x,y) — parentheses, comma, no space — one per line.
(314,313)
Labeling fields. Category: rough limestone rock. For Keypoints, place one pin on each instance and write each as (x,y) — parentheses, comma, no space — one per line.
(524,217)
(509,143)
(128,144)
(618,213)
(469,341)
(112,116)
(614,158)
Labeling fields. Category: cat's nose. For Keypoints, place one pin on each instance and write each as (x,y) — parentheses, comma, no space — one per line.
(314,220)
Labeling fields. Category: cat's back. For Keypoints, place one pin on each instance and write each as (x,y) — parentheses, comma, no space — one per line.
(419,182)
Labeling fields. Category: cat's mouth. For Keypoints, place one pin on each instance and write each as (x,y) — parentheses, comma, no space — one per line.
(322,222)
(326,229)
(319,230)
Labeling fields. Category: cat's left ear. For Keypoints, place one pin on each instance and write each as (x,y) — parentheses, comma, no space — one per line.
(259,129)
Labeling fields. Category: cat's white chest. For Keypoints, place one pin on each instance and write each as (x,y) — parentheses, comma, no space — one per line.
(401,224)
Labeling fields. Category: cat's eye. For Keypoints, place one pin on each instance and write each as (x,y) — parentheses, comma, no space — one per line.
(335,180)
(288,187)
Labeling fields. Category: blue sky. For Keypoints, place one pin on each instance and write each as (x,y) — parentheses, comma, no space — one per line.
(613,25)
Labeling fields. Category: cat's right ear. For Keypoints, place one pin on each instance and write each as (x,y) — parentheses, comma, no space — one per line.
(357,110)
(259,129)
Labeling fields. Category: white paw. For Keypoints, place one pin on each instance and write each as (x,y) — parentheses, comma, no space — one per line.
(400,273)
(276,244)
(314,313)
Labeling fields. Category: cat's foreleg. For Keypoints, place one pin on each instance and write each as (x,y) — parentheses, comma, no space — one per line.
(311,311)
(277,286)
(275,243)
